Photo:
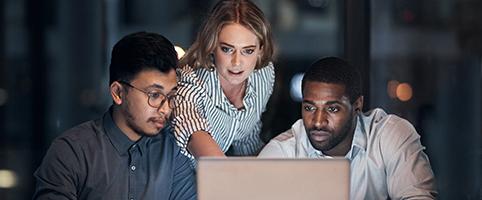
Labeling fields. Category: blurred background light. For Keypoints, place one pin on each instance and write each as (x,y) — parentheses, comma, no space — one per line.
(295,87)
(180,51)
(404,92)
(8,178)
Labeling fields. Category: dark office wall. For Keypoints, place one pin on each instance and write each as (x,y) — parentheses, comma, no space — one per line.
(456,154)
(426,45)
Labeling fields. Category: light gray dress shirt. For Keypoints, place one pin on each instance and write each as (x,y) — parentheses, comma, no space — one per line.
(386,157)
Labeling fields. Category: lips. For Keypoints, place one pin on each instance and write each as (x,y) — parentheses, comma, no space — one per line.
(235,73)
(319,136)
(159,123)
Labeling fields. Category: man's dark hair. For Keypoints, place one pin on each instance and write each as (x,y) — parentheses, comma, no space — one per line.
(141,51)
(337,71)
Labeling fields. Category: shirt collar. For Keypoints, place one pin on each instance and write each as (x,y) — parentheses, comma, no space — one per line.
(119,140)
(142,144)
(250,88)
(360,136)
(359,141)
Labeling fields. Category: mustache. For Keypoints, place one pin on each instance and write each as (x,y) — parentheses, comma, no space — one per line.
(322,129)
(161,118)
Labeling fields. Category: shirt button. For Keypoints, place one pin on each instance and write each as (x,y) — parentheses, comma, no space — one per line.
(133,167)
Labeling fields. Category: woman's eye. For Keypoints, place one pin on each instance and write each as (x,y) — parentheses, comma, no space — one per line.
(226,49)
(248,51)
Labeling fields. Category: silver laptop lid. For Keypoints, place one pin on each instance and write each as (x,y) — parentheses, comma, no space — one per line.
(262,178)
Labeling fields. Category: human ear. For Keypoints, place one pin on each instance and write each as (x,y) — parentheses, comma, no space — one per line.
(260,51)
(116,92)
(212,65)
(358,104)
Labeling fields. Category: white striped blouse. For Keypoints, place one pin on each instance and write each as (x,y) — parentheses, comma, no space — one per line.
(203,106)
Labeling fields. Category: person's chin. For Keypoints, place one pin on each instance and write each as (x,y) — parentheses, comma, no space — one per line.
(152,132)
(320,146)
(237,79)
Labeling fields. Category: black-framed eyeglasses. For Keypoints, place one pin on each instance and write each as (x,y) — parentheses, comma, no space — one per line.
(156,99)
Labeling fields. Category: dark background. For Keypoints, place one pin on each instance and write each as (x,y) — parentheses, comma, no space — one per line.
(54,56)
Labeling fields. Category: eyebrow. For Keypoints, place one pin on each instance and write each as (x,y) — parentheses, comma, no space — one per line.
(327,103)
(173,89)
(156,86)
(232,46)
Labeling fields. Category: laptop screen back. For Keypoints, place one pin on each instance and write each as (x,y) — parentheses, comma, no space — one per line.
(261,178)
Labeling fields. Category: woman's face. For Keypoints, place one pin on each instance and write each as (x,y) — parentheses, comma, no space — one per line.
(236,54)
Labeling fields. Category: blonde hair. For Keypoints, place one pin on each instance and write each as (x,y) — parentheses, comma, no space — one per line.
(243,12)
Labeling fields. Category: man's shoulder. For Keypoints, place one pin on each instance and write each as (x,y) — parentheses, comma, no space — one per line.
(82,132)
(283,145)
(388,128)
(291,135)
(284,137)
(378,119)
(280,146)
(69,148)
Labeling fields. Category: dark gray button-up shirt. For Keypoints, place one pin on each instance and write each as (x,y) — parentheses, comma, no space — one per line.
(95,160)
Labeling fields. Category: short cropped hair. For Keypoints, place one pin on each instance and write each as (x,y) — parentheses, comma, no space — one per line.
(141,51)
(243,12)
(337,71)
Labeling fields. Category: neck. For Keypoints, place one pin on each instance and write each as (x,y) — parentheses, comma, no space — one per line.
(234,93)
(120,120)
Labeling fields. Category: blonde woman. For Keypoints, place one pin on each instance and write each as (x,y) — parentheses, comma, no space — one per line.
(226,79)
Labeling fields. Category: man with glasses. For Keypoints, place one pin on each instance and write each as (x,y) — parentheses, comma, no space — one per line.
(128,153)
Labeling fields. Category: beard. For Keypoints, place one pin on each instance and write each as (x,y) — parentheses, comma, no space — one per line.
(131,123)
(334,138)
(134,123)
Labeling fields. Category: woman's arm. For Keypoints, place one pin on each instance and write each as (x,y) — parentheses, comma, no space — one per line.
(202,144)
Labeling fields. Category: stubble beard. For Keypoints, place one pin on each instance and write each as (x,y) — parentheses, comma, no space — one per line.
(334,139)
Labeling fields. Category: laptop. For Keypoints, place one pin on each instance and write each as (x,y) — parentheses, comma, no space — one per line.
(267,178)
